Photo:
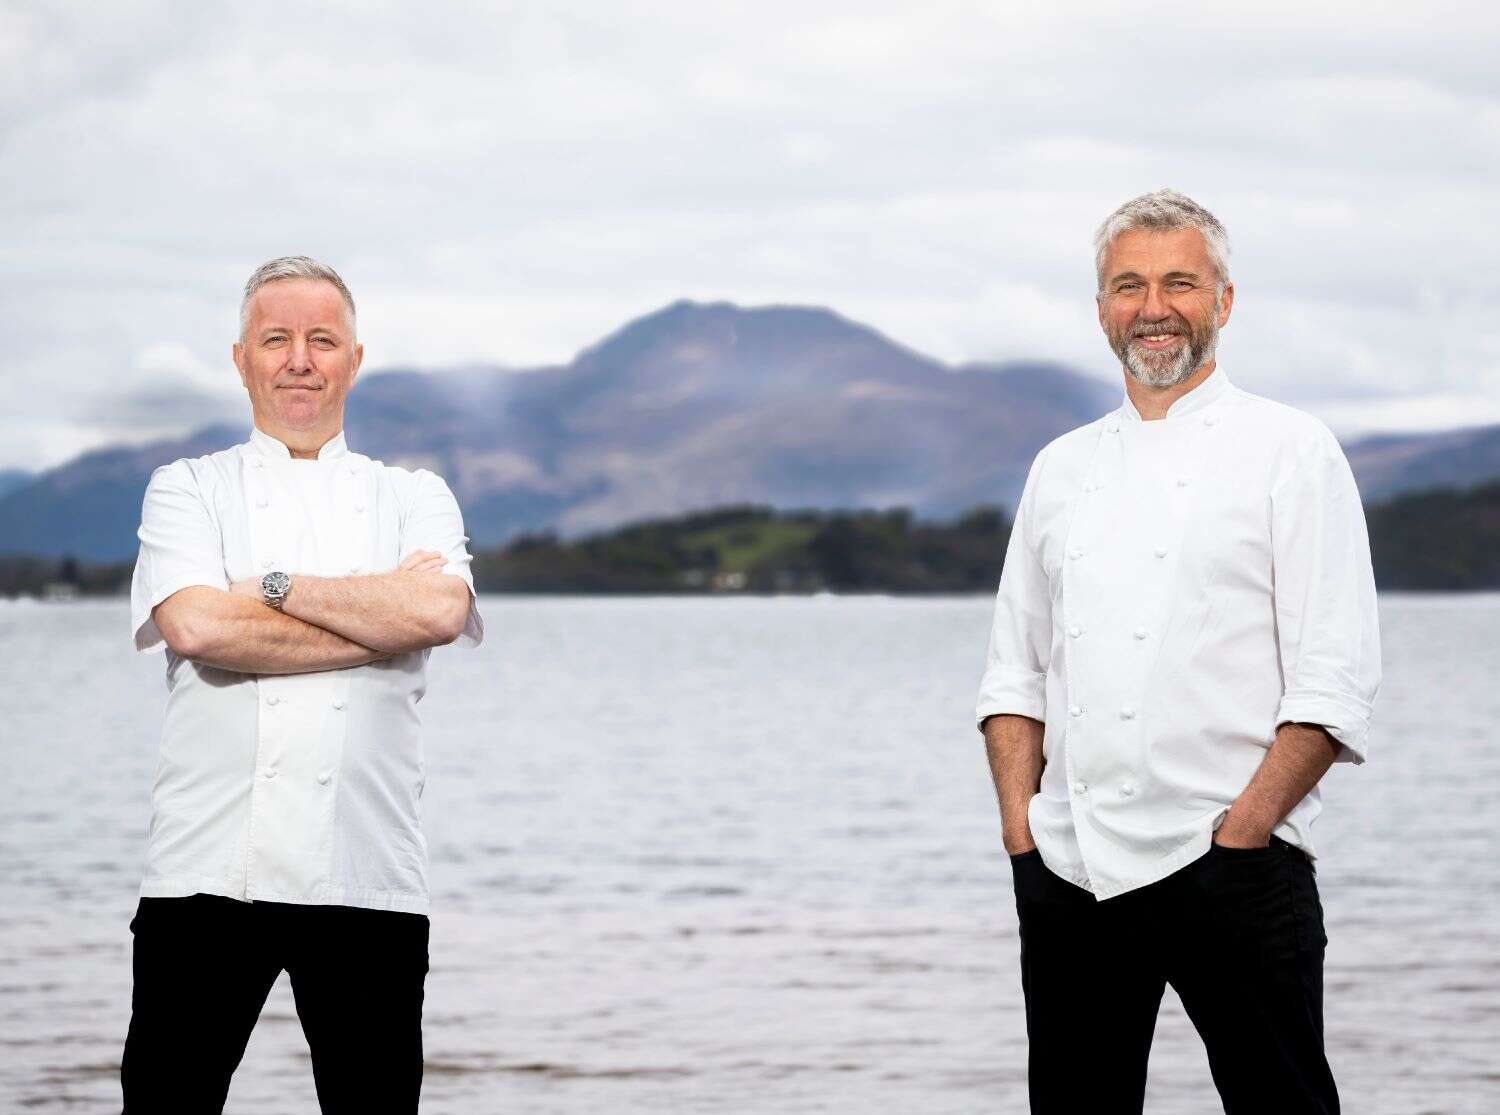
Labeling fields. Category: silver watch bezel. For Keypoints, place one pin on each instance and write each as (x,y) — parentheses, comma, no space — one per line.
(274,587)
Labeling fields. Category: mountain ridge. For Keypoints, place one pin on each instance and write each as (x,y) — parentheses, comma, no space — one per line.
(692,406)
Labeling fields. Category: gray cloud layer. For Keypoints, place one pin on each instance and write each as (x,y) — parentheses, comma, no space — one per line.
(507,182)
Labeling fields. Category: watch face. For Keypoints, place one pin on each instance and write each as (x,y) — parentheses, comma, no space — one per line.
(275,584)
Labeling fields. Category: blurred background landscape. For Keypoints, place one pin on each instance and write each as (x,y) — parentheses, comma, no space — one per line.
(773,449)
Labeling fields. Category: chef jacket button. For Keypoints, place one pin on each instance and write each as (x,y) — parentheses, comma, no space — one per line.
(324,776)
(1113,427)
(272,699)
(270,772)
(1075,631)
(356,567)
(1075,710)
(338,702)
(256,462)
(1209,420)
(1127,790)
(1161,551)
(266,565)
(1182,481)
(262,501)
(1090,487)
(1127,713)
(1140,632)
(359,507)
(1075,552)
(1080,787)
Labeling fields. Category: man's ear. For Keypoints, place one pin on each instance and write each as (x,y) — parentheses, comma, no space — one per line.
(237,353)
(1226,305)
(359,358)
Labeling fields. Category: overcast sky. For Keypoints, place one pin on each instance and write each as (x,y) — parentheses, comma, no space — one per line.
(509,182)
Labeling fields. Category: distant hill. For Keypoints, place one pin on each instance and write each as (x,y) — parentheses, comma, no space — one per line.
(695,406)
(1390,464)
(11,479)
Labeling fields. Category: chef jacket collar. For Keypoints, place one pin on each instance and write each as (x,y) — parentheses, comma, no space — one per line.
(1196,399)
(268,446)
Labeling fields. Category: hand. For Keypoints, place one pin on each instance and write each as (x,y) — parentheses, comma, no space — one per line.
(422,561)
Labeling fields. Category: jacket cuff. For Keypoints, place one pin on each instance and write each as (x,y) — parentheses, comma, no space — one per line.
(1018,694)
(1346,717)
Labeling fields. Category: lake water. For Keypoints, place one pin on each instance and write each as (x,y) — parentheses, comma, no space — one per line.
(741,856)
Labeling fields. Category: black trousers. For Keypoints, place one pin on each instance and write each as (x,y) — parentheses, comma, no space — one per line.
(204,965)
(1239,936)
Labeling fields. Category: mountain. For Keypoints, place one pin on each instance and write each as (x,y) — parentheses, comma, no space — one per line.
(694,406)
(11,479)
(1391,464)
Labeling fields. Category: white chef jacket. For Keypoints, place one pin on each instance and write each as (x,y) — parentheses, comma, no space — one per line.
(300,788)
(1173,591)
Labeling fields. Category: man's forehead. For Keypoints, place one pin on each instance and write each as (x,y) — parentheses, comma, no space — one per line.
(1170,249)
(299,298)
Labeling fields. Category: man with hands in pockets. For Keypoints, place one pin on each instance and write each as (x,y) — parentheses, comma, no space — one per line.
(1185,639)
(298,588)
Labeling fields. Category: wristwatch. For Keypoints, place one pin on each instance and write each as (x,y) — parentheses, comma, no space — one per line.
(274,587)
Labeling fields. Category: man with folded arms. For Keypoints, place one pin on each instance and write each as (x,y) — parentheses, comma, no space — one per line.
(1185,639)
(298,588)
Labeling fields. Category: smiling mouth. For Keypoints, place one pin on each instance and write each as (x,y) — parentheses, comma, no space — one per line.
(1157,339)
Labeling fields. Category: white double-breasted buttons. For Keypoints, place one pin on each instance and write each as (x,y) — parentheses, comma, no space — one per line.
(324,776)
(1075,710)
(1161,551)
(338,702)
(1140,632)
(1127,713)
(1075,631)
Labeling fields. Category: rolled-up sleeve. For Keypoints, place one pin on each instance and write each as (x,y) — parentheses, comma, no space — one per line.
(181,546)
(434,522)
(1015,673)
(1326,618)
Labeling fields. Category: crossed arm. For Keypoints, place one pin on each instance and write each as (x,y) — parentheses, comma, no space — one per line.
(326,623)
(1300,755)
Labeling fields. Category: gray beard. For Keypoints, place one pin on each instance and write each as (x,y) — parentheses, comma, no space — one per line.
(1167,371)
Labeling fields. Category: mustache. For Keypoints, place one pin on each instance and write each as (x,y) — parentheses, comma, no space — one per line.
(1159,328)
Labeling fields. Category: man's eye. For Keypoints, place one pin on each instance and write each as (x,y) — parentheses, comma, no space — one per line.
(326,342)
(1127,288)
(1180,284)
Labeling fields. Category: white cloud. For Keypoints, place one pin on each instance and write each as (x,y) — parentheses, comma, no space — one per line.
(508,182)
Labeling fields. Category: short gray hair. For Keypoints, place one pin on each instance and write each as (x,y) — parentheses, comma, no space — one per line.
(292,267)
(1165,210)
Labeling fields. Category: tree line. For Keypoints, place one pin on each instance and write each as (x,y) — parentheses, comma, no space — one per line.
(1443,539)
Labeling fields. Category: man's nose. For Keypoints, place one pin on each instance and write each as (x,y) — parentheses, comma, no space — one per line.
(299,359)
(1155,307)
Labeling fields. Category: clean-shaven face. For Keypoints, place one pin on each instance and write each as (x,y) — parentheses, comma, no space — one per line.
(1159,306)
(298,356)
